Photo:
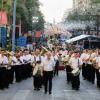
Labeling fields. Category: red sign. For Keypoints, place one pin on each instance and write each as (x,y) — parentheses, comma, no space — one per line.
(38,34)
(3,18)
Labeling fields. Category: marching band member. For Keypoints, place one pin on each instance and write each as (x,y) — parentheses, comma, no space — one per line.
(68,67)
(12,62)
(98,69)
(56,69)
(90,71)
(37,73)
(37,67)
(84,57)
(27,59)
(48,67)
(17,67)
(75,62)
(92,66)
(4,73)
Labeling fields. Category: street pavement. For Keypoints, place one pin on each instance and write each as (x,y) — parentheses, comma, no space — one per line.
(61,91)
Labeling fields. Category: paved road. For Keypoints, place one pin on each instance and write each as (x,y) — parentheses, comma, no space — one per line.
(61,91)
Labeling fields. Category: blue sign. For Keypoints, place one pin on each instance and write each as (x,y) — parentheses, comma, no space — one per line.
(3,37)
(22,41)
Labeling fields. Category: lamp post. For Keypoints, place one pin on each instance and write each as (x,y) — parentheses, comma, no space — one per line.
(14,25)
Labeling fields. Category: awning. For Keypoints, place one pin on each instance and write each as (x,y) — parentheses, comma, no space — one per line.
(77,38)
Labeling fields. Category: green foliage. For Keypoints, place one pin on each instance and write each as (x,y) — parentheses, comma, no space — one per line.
(25,11)
(0,4)
(77,17)
(95,1)
(73,16)
(87,15)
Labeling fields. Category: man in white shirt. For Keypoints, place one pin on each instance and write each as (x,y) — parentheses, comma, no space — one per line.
(56,69)
(4,83)
(75,62)
(48,67)
(84,57)
(98,69)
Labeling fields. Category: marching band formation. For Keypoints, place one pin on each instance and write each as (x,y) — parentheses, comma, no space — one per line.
(88,61)
(43,65)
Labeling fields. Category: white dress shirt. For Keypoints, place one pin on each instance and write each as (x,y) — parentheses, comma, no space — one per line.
(14,60)
(98,61)
(75,62)
(5,60)
(48,65)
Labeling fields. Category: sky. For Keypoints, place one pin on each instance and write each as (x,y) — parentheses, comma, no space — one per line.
(54,9)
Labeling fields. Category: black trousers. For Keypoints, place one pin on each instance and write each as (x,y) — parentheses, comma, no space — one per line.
(84,70)
(68,73)
(37,82)
(4,83)
(56,71)
(48,75)
(92,74)
(75,82)
(11,75)
(98,78)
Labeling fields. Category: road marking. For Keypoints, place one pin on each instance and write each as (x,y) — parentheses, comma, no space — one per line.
(21,95)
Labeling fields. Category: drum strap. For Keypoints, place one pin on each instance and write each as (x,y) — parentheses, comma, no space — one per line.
(78,63)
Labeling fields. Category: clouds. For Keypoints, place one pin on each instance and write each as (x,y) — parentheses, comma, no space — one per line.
(54,9)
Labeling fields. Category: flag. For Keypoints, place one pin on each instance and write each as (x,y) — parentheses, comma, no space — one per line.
(3,18)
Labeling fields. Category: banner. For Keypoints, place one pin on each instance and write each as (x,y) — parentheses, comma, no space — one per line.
(3,18)
(22,41)
(38,34)
(3,37)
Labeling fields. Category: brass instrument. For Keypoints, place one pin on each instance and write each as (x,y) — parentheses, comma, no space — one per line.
(66,60)
(44,50)
(76,72)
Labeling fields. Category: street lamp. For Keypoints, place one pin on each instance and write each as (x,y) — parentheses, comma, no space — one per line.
(14,25)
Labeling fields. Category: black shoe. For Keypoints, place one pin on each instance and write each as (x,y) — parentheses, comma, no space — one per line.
(45,92)
(68,82)
(38,89)
(92,82)
(73,88)
(84,78)
(76,89)
(35,89)
(50,92)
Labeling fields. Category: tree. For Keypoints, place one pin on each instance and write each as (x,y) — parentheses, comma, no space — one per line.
(26,9)
(25,12)
(95,1)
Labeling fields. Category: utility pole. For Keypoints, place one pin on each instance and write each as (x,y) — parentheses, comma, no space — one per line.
(14,25)
(1,23)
